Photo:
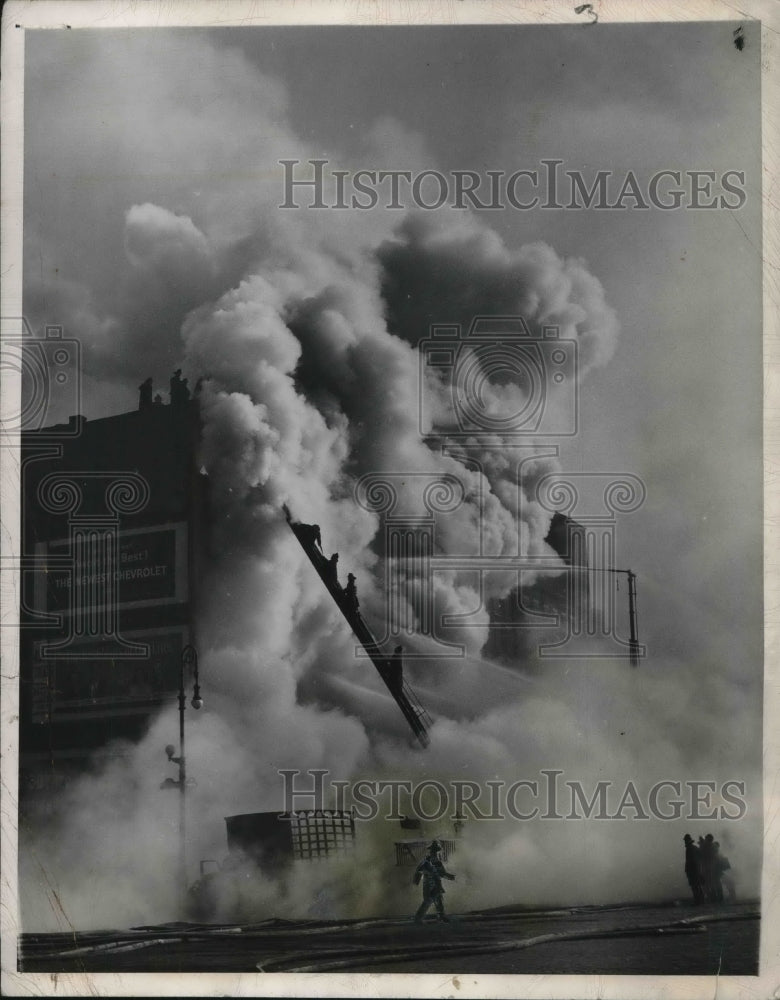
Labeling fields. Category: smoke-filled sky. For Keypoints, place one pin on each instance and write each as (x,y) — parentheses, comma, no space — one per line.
(153,234)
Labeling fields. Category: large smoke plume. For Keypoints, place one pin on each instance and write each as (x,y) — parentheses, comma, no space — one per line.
(305,330)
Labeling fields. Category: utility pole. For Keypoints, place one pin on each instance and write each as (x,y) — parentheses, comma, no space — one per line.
(182,784)
(189,658)
(633,641)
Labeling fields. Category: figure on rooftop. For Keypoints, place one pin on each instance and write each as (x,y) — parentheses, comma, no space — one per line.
(180,394)
(145,394)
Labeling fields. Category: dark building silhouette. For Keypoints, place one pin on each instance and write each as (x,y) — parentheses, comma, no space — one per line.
(527,615)
(567,539)
(111,534)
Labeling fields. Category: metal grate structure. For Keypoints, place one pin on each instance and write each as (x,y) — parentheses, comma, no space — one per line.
(319,833)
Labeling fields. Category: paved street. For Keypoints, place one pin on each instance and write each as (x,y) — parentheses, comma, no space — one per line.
(671,939)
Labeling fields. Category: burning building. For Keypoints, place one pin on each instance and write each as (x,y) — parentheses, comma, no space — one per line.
(550,606)
(112,547)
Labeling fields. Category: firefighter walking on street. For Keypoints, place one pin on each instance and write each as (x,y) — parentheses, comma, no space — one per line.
(431,870)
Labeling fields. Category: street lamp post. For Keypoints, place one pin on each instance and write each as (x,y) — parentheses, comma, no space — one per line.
(189,658)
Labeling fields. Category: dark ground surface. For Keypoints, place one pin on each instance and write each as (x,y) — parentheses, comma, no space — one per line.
(672,939)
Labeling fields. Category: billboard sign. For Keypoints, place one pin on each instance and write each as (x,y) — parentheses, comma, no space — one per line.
(93,688)
(151,570)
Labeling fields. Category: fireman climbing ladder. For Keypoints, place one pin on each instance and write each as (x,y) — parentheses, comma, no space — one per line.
(390,667)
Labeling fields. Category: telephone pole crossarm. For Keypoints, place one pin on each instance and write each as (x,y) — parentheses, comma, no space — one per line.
(634,650)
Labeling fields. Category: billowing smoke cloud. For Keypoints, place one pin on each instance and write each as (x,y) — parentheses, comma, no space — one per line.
(438,272)
(305,331)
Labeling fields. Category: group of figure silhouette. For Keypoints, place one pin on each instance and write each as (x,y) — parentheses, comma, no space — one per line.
(707,870)
(310,537)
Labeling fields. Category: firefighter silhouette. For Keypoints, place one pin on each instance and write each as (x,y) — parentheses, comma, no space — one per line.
(693,870)
(350,593)
(431,870)
(307,534)
(332,571)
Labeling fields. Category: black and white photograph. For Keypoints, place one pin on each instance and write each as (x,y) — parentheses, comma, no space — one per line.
(383,484)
